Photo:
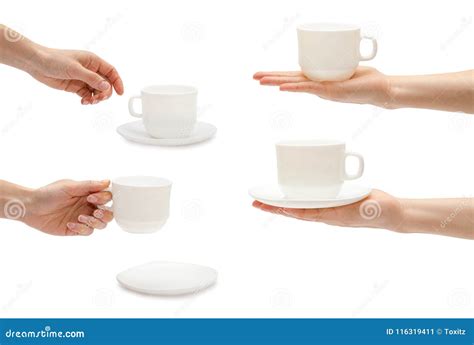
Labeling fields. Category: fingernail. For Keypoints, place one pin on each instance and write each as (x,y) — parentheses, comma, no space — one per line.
(95,101)
(103,85)
(71,226)
(85,102)
(98,214)
(82,219)
(92,198)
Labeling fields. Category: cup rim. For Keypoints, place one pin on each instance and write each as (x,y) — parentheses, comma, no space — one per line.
(170,90)
(309,143)
(140,181)
(327,27)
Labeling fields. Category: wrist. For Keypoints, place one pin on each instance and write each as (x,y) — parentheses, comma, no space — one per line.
(394,92)
(17,203)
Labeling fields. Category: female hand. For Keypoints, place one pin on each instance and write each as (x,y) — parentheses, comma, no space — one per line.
(448,91)
(448,217)
(367,86)
(378,210)
(80,72)
(69,207)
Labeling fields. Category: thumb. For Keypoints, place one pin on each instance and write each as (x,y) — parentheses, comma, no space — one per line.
(94,80)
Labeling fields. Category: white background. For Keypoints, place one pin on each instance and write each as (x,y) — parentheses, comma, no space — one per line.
(269,266)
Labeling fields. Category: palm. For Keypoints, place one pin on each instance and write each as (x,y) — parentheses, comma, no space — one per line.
(367,85)
(58,204)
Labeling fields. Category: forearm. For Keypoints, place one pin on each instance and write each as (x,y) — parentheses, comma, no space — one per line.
(450,92)
(449,217)
(18,51)
(14,201)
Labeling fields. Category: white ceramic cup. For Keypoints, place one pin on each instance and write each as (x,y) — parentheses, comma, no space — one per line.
(314,168)
(168,111)
(331,52)
(141,203)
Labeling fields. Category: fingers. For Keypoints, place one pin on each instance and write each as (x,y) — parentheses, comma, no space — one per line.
(109,71)
(91,222)
(269,80)
(307,86)
(260,75)
(84,188)
(302,214)
(91,78)
(100,198)
(104,215)
(79,229)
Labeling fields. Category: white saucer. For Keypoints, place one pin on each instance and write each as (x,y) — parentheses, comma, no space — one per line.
(271,195)
(167,278)
(135,131)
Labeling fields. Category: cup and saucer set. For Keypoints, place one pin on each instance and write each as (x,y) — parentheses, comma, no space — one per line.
(141,205)
(312,173)
(168,117)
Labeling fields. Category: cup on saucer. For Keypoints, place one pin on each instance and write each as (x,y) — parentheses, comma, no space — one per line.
(168,111)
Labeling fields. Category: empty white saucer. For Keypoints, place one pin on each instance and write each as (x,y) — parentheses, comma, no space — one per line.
(167,278)
(135,131)
(271,195)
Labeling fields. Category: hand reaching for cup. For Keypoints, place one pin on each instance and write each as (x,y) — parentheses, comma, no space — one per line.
(80,72)
(63,208)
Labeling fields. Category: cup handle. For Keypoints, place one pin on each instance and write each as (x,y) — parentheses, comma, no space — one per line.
(131,102)
(374,49)
(360,170)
